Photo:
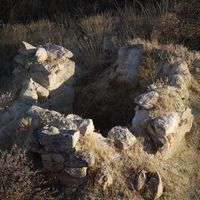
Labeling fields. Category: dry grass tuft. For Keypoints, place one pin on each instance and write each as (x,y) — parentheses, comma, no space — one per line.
(18,180)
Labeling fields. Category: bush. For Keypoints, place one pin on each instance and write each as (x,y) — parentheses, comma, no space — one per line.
(18,180)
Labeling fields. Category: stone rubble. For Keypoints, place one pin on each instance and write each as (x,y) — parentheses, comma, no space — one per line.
(41,120)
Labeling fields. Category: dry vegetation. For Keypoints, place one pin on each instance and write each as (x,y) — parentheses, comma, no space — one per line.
(94,32)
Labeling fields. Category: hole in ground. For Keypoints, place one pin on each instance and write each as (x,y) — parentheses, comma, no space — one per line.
(107,107)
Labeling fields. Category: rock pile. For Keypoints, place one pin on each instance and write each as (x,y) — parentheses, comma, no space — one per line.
(56,143)
(45,76)
(162,113)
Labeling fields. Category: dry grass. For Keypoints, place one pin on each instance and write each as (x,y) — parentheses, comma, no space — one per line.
(19,181)
(94,38)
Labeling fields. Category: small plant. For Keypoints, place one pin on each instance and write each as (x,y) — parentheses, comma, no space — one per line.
(148,68)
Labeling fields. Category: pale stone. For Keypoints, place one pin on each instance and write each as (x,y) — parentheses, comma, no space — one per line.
(140,121)
(178,81)
(56,52)
(53,76)
(86,127)
(26,49)
(29,92)
(103,177)
(55,140)
(41,55)
(147,100)
(166,124)
(76,172)
(181,69)
(122,137)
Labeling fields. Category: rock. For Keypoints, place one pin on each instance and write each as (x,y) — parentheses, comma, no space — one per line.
(26,49)
(160,141)
(140,180)
(49,164)
(147,100)
(86,127)
(52,76)
(181,69)
(148,184)
(153,188)
(56,52)
(167,123)
(86,157)
(29,93)
(140,121)
(76,172)
(41,55)
(122,137)
(103,177)
(55,140)
(125,71)
(178,81)
(82,158)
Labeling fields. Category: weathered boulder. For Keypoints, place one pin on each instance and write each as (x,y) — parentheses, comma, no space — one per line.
(147,100)
(125,71)
(122,137)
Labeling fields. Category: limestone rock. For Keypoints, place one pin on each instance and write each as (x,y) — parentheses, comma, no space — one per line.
(76,172)
(55,140)
(178,81)
(52,76)
(140,121)
(41,55)
(148,184)
(181,69)
(147,100)
(56,52)
(125,71)
(49,164)
(86,127)
(26,49)
(103,177)
(122,137)
(167,123)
